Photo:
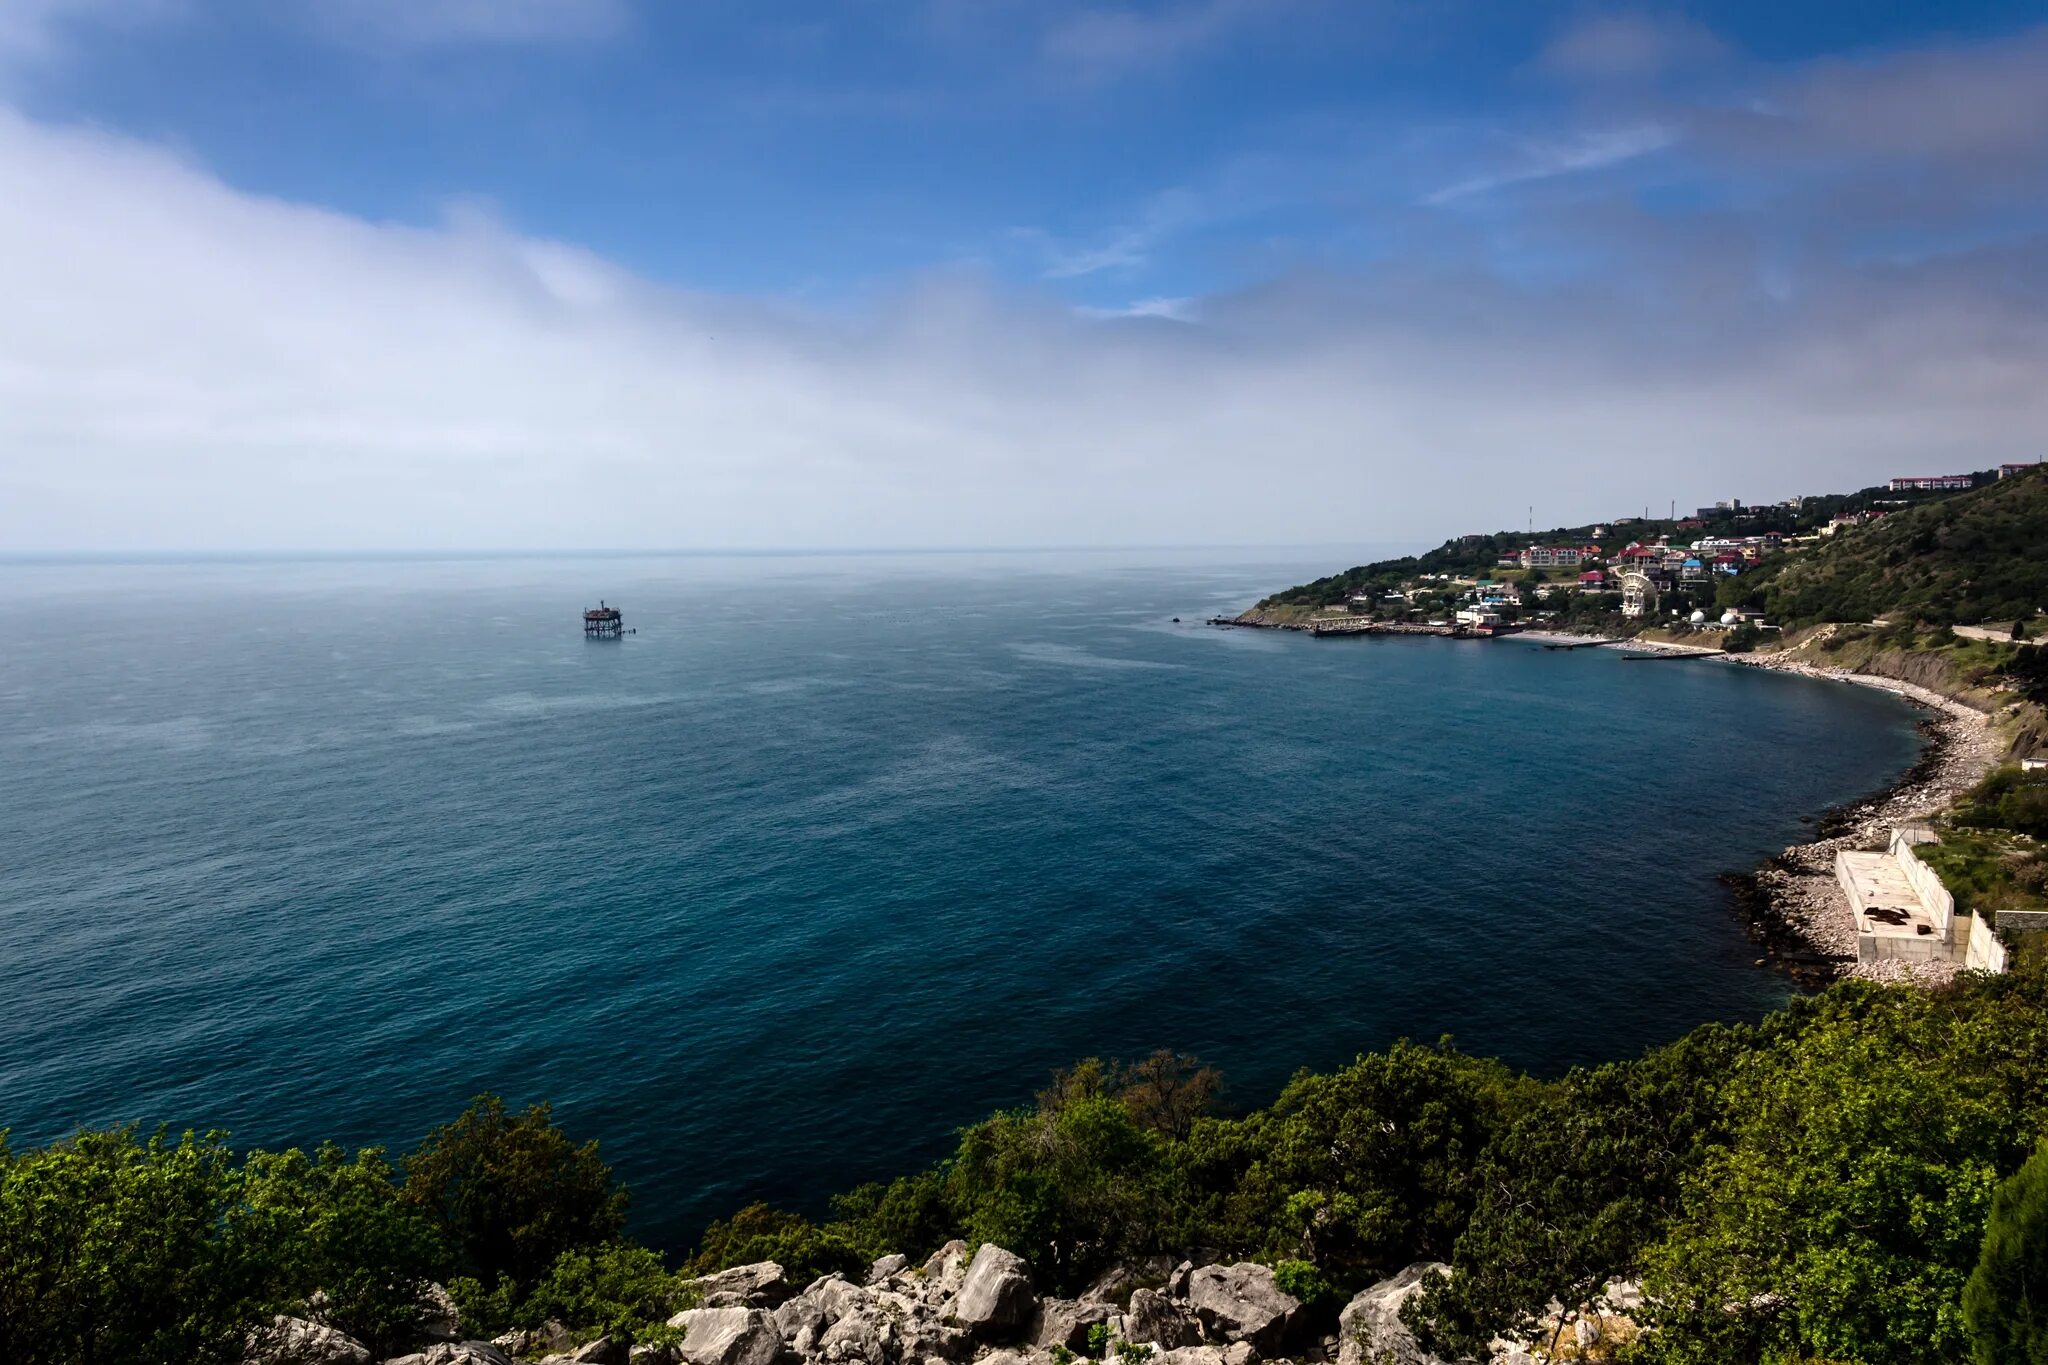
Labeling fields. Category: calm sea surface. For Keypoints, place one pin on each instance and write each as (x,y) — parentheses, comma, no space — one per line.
(834,854)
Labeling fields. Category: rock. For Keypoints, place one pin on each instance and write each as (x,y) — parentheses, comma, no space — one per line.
(760,1285)
(835,1297)
(800,1322)
(944,1272)
(1155,1318)
(922,1338)
(727,1336)
(995,1296)
(1115,1285)
(1370,1330)
(1237,1353)
(549,1338)
(297,1341)
(886,1267)
(856,1337)
(1063,1322)
(1012,1356)
(439,1320)
(1242,1302)
(455,1353)
(653,1355)
(603,1351)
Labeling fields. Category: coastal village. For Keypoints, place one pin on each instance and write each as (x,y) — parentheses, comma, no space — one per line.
(1689,577)
(1947,871)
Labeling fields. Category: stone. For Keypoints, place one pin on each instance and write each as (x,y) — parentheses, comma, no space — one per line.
(1370,1330)
(549,1338)
(855,1337)
(1115,1285)
(653,1355)
(297,1341)
(1237,1353)
(837,1296)
(801,1322)
(944,1271)
(439,1319)
(603,1351)
(887,1267)
(1013,1356)
(1243,1302)
(1159,1320)
(727,1336)
(995,1295)
(760,1285)
(1064,1322)
(455,1353)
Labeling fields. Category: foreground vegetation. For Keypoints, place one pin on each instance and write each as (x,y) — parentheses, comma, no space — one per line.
(1816,1186)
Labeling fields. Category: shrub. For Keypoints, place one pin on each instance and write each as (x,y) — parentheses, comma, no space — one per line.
(511,1192)
(2005,1304)
(760,1233)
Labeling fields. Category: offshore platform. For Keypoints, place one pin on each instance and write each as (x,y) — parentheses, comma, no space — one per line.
(602,622)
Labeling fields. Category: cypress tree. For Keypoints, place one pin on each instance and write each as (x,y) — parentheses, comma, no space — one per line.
(2005,1304)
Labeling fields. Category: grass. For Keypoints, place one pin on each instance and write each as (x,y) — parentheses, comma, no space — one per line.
(1978,867)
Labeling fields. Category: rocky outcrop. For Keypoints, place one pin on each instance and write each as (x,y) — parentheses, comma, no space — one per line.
(760,1285)
(455,1353)
(1155,1316)
(299,1341)
(1241,1302)
(550,1338)
(727,1336)
(1370,1330)
(1065,1322)
(995,1298)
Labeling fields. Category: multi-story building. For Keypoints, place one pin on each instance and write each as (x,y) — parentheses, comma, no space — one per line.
(1933,483)
(1552,556)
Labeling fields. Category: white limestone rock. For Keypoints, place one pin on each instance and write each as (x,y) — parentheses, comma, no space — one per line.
(995,1296)
(1242,1302)
(1370,1330)
(727,1336)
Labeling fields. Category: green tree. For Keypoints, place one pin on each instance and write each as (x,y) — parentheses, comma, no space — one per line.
(111,1252)
(619,1290)
(2005,1304)
(511,1192)
(760,1233)
(338,1226)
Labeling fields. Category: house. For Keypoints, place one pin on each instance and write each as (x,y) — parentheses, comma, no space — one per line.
(1692,571)
(1592,578)
(1933,483)
(1691,524)
(1484,618)
(1551,556)
(2006,471)
(1508,562)
(1728,563)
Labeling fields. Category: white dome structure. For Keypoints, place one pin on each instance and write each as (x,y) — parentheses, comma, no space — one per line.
(1729,618)
(1699,618)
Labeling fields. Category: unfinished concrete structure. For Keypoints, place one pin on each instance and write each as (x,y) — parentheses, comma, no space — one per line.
(1903,912)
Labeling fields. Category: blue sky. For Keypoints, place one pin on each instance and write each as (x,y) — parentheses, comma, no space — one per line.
(988,271)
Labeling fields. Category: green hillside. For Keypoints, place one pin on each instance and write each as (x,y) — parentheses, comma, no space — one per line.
(1978,556)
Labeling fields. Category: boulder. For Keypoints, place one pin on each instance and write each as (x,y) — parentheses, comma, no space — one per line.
(760,1285)
(887,1267)
(835,1297)
(1242,1302)
(727,1336)
(1063,1322)
(1370,1330)
(653,1355)
(1115,1285)
(995,1295)
(1013,1356)
(298,1341)
(1159,1320)
(603,1351)
(856,1337)
(455,1353)
(800,1323)
(549,1338)
(944,1271)
(1237,1353)
(439,1318)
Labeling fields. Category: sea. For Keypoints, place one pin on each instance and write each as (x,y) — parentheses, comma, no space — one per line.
(832,855)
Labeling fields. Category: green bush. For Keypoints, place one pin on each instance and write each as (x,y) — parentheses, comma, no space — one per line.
(511,1192)
(2005,1304)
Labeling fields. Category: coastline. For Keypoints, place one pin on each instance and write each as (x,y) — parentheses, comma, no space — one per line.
(1792,904)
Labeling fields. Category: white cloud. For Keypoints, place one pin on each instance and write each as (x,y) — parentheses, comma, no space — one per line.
(1112,40)
(1590,151)
(185,365)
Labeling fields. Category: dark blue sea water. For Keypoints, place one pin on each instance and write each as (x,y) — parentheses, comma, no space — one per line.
(834,854)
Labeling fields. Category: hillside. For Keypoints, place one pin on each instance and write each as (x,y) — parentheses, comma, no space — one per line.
(1979,556)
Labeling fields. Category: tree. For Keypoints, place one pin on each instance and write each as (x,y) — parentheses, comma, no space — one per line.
(2019,629)
(339,1226)
(2005,1304)
(511,1192)
(111,1253)
(760,1233)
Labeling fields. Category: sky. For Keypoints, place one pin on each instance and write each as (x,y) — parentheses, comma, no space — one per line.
(329,275)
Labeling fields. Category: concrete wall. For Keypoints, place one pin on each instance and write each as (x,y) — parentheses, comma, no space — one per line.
(1986,953)
(1941,906)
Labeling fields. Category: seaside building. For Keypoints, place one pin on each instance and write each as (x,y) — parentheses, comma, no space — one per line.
(1552,556)
(1933,483)
(2006,471)
(1903,911)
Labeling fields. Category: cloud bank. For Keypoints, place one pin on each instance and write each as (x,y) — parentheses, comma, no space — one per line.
(187,365)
